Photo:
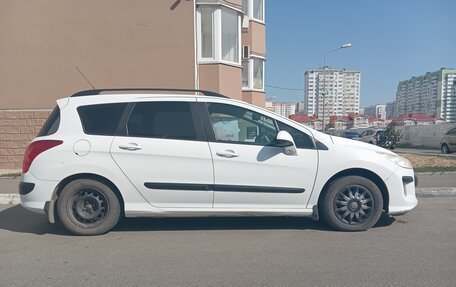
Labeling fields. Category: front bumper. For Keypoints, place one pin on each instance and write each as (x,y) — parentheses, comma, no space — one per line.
(401,187)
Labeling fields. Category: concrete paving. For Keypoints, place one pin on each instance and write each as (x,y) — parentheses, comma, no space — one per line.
(416,249)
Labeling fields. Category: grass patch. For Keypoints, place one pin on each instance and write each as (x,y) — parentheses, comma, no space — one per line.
(11,175)
(431,163)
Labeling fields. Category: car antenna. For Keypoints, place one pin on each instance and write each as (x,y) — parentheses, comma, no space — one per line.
(85,78)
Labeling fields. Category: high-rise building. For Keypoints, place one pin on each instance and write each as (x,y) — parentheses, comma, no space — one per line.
(390,109)
(378,111)
(284,109)
(341,96)
(432,94)
(299,107)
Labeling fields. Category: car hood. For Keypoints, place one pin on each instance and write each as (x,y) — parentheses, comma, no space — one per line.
(358,145)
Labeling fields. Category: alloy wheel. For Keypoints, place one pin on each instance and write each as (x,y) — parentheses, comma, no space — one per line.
(353,204)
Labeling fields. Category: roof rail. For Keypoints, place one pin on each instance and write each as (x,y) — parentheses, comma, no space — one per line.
(99,91)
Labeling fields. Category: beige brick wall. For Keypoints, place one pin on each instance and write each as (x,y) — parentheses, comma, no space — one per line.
(17,129)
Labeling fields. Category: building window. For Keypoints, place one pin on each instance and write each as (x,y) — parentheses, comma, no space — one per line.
(245,74)
(207,28)
(258,73)
(254,9)
(218,34)
(258,10)
(230,35)
(253,74)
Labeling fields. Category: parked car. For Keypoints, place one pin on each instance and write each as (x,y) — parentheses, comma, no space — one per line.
(348,134)
(448,142)
(101,156)
(371,136)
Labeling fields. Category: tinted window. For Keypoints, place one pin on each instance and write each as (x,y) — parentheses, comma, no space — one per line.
(168,120)
(236,124)
(52,124)
(101,119)
(301,139)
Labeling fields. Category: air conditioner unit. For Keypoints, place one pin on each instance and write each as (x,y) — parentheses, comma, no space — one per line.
(245,22)
(245,52)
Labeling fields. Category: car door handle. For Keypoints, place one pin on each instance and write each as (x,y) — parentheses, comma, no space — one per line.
(130,146)
(227,153)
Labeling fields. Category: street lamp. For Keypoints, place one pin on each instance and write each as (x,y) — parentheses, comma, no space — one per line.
(344,46)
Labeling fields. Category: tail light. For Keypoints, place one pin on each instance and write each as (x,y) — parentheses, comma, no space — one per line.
(34,149)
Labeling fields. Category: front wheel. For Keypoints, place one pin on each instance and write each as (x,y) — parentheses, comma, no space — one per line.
(352,203)
(444,149)
(88,207)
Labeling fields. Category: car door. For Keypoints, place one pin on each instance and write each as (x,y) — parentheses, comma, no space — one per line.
(164,153)
(249,171)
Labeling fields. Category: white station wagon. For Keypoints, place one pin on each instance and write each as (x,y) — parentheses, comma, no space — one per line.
(197,153)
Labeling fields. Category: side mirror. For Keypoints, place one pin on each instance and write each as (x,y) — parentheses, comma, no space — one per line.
(285,140)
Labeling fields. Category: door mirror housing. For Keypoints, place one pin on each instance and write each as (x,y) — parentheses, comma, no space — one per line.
(285,140)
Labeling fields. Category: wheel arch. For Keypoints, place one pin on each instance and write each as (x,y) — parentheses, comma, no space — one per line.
(92,176)
(358,172)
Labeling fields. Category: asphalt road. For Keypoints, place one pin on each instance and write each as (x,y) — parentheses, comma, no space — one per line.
(416,249)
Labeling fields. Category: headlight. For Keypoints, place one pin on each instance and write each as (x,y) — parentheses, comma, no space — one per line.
(396,159)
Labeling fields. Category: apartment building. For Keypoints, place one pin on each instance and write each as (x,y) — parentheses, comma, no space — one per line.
(215,45)
(336,91)
(284,109)
(390,109)
(378,111)
(431,94)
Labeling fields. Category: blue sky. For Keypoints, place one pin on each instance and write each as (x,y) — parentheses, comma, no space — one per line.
(392,40)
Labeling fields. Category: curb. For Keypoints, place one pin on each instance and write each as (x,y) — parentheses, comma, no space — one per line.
(433,191)
(12,198)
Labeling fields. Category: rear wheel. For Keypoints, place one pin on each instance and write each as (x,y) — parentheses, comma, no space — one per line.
(88,207)
(352,203)
(444,149)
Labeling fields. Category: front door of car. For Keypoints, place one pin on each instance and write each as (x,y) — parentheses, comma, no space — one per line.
(165,155)
(250,172)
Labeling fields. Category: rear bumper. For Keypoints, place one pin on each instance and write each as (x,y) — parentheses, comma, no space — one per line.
(401,188)
(34,199)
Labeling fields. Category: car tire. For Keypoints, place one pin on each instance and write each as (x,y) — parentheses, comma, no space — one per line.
(352,203)
(88,207)
(444,149)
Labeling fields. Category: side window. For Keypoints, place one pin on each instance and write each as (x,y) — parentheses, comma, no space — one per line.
(239,125)
(52,124)
(166,120)
(452,132)
(363,134)
(101,119)
(302,140)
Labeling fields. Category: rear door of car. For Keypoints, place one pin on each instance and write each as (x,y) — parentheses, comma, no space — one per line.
(163,151)
(452,139)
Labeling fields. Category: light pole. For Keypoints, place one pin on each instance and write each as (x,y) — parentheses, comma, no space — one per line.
(344,46)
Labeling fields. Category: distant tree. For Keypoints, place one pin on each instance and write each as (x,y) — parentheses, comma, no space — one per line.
(390,138)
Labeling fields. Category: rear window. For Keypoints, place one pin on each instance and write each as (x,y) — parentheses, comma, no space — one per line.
(52,124)
(101,119)
(166,120)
